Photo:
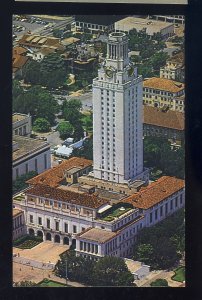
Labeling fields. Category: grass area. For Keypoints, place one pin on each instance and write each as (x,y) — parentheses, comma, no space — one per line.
(50,283)
(179,274)
(27,242)
(115,214)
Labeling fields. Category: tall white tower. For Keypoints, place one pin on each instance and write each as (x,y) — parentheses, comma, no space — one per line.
(117,116)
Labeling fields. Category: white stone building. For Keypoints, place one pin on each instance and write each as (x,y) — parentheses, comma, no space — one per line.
(19,228)
(22,124)
(151,27)
(117,116)
(61,206)
(30,155)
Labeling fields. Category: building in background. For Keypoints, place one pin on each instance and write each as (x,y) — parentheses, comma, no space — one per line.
(164,123)
(19,228)
(162,93)
(30,155)
(174,68)
(22,124)
(95,23)
(179,19)
(151,27)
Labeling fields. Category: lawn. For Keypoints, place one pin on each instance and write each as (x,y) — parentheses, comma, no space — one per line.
(50,283)
(27,242)
(115,214)
(179,274)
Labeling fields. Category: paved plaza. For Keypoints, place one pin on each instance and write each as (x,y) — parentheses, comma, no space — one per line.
(45,252)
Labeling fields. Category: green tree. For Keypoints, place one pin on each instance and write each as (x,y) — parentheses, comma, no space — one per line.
(37,102)
(112,271)
(158,60)
(78,268)
(144,253)
(78,131)
(41,125)
(31,72)
(71,111)
(65,129)
(57,32)
(52,70)
(16,89)
(161,244)
(160,282)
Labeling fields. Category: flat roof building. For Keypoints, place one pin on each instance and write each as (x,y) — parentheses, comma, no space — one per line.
(151,26)
(30,155)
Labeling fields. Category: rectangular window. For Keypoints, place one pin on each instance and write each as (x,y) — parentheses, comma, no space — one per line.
(56,225)
(161,211)
(176,201)
(39,221)
(36,167)
(156,214)
(81,245)
(48,223)
(31,219)
(74,229)
(180,199)
(171,204)
(26,168)
(166,207)
(151,217)
(17,173)
(66,227)
(45,161)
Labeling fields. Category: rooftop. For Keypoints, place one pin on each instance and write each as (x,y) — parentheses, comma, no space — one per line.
(54,176)
(177,58)
(168,119)
(16,212)
(163,84)
(69,41)
(19,61)
(139,23)
(97,235)
(82,199)
(27,146)
(18,117)
(19,50)
(155,192)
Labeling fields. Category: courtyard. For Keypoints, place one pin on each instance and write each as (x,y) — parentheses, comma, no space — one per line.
(45,252)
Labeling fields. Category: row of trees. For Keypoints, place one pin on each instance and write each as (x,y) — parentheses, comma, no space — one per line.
(36,101)
(50,72)
(162,245)
(159,155)
(151,56)
(108,271)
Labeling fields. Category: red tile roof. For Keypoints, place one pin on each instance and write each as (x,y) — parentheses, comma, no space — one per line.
(19,50)
(54,176)
(19,61)
(57,194)
(163,84)
(169,119)
(155,192)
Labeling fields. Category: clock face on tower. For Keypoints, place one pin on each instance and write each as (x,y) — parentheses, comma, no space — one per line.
(109,71)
